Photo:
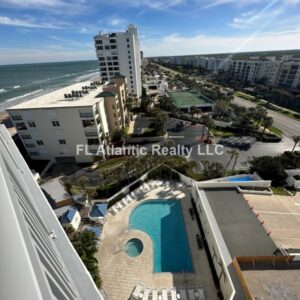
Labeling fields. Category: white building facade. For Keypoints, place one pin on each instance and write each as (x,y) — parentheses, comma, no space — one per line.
(37,259)
(119,53)
(51,126)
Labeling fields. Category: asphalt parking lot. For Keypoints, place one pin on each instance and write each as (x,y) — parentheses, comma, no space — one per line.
(247,146)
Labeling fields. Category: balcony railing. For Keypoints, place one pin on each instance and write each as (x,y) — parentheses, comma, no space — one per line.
(86,115)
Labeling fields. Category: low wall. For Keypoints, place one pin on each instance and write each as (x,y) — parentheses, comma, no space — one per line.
(229,184)
(243,191)
(291,181)
(217,247)
(222,123)
(150,139)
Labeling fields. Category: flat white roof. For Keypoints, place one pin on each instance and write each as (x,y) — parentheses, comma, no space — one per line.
(57,98)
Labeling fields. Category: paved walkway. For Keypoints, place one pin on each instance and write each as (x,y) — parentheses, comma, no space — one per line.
(120,273)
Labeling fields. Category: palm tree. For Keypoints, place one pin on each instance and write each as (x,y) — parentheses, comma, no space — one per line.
(236,155)
(296,139)
(266,123)
(231,152)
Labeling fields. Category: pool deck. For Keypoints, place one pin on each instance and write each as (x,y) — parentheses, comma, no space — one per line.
(120,273)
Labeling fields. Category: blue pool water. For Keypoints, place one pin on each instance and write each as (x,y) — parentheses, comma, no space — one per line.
(163,221)
(245,178)
(134,247)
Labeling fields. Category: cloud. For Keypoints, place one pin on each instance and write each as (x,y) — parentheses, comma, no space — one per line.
(252,19)
(115,21)
(25,23)
(152,4)
(69,7)
(202,44)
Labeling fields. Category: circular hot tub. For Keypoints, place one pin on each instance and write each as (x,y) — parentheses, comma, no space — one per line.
(134,247)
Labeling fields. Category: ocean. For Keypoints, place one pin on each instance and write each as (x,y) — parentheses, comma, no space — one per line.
(19,83)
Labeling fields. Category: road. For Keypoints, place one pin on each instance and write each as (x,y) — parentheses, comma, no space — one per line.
(288,126)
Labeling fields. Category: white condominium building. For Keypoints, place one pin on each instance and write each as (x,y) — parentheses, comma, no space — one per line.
(51,126)
(37,260)
(119,53)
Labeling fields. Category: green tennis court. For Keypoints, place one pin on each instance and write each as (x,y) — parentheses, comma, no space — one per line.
(187,99)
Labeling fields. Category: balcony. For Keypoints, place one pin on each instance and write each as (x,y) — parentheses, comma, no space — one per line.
(88,123)
(91,133)
(17,118)
(86,114)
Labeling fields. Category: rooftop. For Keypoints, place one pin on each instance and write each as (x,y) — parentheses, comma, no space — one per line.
(106,94)
(57,98)
(241,230)
(68,216)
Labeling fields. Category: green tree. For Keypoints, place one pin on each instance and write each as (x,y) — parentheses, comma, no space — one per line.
(267,122)
(212,170)
(82,181)
(269,168)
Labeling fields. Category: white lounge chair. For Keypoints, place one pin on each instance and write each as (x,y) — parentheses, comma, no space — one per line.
(124,202)
(192,294)
(146,294)
(182,293)
(136,292)
(201,295)
(173,294)
(154,295)
(129,199)
(164,293)
(114,209)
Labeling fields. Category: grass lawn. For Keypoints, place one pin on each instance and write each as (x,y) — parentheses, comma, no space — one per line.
(275,130)
(280,191)
(113,162)
(221,133)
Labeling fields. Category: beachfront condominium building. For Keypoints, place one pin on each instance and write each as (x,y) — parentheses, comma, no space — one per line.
(119,53)
(51,126)
(37,259)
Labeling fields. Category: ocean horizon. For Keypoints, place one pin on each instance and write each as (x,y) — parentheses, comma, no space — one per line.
(22,82)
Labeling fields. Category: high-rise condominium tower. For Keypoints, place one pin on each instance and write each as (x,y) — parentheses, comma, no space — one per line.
(119,53)
(37,260)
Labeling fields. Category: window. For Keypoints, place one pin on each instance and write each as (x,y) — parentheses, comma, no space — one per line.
(113,47)
(109,63)
(17,118)
(40,142)
(31,124)
(98,42)
(101,58)
(26,136)
(131,77)
(128,46)
(93,142)
(115,57)
(30,145)
(100,48)
(127,40)
(129,62)
(102,64)
(129,57)
(55,123)
(113,41)
(62,142)
(21,126)
(131,82)
(108,58)
(106,47)
(34,153)
(88,123)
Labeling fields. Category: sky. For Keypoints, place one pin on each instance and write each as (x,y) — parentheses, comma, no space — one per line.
(63,30)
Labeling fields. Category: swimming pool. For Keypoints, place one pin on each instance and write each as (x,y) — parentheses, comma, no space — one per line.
(163,221)
(134,247)
(245,178)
